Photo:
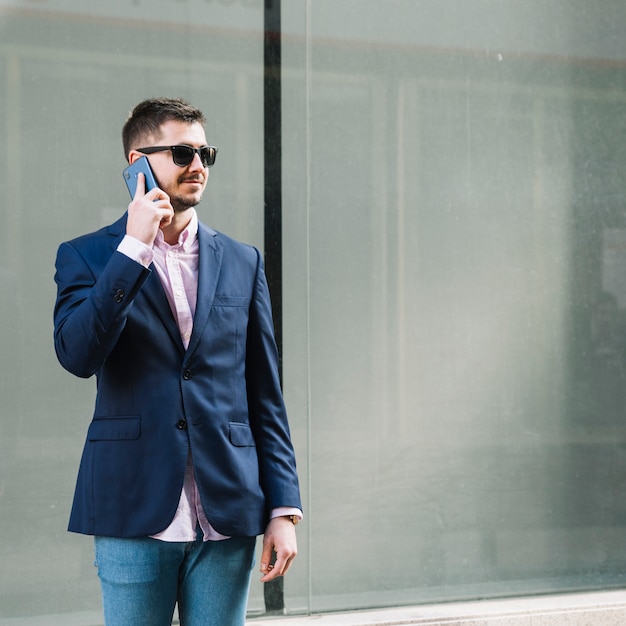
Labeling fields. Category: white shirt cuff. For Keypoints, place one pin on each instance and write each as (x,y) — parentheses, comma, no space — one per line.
(136,250)
(285,510)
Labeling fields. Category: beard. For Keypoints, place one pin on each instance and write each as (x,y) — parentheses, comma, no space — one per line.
(182,202)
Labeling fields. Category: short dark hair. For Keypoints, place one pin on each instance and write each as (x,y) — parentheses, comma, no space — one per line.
(148,116)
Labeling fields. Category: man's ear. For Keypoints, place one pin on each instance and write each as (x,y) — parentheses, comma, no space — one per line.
(133,155)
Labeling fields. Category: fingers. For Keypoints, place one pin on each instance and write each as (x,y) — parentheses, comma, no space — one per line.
(161,205)
(275,570)
(279,568)
(266,565)
(148,212)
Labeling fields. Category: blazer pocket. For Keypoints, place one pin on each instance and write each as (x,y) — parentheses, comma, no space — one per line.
(230,301)
(241,434)
(114,428)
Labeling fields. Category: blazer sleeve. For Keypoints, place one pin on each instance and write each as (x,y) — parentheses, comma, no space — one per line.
(268,416)
(93,300)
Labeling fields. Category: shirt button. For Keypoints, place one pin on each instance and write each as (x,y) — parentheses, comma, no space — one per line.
(181,424)
(187,375)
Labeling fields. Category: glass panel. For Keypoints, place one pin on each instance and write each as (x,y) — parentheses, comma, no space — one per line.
(454,173)
(69,77)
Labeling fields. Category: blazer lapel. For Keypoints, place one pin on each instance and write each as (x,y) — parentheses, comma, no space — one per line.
(209,266)
(155,295)
(152,289)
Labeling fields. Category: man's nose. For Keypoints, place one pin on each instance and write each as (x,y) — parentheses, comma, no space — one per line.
(196,163)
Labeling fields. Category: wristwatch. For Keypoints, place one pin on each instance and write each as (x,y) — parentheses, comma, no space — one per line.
(293,518)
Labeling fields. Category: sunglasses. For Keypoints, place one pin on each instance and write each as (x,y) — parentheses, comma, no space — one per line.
(183,155)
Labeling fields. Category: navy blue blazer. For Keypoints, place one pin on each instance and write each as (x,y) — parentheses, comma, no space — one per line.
(155,401)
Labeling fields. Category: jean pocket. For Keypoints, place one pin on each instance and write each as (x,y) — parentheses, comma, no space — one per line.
(126,561)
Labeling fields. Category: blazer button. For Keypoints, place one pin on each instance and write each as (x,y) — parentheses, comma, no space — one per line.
(181,424)
(187,375)
(118,296)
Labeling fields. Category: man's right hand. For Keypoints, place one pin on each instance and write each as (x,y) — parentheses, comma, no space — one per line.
(148,212)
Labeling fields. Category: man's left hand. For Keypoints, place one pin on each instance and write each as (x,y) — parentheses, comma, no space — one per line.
(280,536)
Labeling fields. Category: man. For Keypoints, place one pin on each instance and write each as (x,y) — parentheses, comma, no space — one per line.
(188,456)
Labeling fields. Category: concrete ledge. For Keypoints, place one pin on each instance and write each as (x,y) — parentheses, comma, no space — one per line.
(606,608)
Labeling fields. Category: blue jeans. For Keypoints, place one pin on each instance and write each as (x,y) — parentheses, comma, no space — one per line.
(143,579)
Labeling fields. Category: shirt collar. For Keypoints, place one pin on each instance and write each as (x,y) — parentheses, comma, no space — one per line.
(186,238)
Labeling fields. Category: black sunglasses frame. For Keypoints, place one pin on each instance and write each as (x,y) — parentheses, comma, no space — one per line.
(207,154)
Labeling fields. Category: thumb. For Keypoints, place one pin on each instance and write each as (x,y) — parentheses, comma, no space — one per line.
(266,555)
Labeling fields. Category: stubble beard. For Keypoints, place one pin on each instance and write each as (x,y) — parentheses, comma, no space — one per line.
(183,202)
(180,205)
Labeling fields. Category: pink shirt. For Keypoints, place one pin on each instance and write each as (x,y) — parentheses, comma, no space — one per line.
(177,267)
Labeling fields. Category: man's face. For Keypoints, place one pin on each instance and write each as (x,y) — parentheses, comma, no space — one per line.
(184,185)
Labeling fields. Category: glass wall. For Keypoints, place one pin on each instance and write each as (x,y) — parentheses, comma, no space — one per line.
(454,245)
(455,300)
(70,74)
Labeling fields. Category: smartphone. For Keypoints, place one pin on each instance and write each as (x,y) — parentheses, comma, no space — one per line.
(130,175)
